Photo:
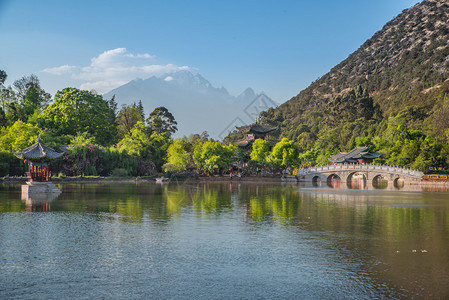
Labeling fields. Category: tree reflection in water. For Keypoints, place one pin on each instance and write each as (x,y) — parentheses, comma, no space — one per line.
(398,238)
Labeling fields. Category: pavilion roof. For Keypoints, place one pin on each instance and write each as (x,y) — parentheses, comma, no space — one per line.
(38,151)
(256,128)
(354,154)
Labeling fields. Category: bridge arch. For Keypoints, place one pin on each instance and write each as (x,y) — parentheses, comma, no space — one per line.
(380,182)
(398,183)
(333,180)
(352,175)
(316,180)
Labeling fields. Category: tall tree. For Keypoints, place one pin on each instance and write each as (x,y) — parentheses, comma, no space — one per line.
(30,96)
(7,95)
(113,105)
(161,120)
(3,120)
(137,143)
(142,112)
(127,118)
(3,77)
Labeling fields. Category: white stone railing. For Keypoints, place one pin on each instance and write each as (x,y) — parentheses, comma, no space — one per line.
(362,167)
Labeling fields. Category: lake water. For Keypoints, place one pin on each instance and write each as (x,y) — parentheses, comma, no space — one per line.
(223,241)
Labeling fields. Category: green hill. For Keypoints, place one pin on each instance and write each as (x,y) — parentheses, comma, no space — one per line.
(394,89)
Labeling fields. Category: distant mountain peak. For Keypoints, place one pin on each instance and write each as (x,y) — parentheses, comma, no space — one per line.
(247,95)
(196,104)
(248,91)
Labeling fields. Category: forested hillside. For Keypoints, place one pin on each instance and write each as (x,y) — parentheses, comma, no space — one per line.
(390,94)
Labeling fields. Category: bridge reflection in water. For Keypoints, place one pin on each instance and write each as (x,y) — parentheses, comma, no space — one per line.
(360,176)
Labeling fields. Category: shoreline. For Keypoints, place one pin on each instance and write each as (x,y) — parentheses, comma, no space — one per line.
(265,179)
(149,179)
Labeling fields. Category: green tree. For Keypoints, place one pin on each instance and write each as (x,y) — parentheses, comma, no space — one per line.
(141,110)
(137,143)
(161,120)
(213,157)
(3,77)
(285,151)
(5,93)
(429,155)
(159,143)
(31,96)
(18,136)
(3,120)
(128,116)
(261,149)
(113,105)
(76,111)
(8,98)
(179,155)
(153,147)
(81,139)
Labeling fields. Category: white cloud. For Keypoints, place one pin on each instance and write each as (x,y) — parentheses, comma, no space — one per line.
(60,70)
(117,57)
(115,67)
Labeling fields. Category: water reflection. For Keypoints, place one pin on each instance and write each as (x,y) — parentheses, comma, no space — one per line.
(395,241)
(378,183)
(39,202)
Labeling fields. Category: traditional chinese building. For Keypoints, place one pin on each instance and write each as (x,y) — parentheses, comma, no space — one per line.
(253,132)
(358,155)
(38,158)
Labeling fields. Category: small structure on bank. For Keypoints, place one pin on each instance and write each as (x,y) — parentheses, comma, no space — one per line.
(358,155)
(253,132)
(38,158)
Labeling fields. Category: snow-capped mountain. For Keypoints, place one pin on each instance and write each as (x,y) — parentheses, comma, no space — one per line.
(196,104)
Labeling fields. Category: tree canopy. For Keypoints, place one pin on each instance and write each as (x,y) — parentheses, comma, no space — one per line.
(75,111)
(179,155)
(128,116)
(161,120)
(286,152)
(18,136)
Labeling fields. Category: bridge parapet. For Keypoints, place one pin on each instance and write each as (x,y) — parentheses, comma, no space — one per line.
(362,167)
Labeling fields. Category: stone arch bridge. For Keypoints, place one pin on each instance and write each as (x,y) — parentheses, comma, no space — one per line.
(371,174)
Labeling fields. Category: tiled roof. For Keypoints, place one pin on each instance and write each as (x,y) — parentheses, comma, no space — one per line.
(38,151)
(354,154)
(256,128)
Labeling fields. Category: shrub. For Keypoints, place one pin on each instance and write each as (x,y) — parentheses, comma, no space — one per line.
(119,172)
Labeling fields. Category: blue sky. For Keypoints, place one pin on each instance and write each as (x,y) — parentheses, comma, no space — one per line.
(278,47)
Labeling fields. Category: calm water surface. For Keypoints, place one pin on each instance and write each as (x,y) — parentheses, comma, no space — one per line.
(222,241)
